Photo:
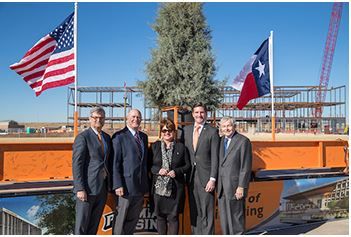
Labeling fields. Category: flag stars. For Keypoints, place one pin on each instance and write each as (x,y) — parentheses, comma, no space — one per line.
(64,36)
(260,68)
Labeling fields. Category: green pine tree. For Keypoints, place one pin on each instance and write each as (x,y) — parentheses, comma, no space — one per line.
(181,69)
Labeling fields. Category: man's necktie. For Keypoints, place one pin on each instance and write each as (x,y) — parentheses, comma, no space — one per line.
(225,145)
(196,136)
(137,139)
(104,172)
(102,144)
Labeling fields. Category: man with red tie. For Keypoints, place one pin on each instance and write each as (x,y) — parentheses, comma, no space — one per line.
(130,180)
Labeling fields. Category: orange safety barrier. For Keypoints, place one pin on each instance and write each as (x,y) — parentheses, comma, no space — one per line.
(47,161)
(269,155)
(35,161)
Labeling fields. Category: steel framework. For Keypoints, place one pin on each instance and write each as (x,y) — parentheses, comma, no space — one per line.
(293,108)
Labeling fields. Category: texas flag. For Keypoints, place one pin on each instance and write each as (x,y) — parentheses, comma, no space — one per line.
(253,81)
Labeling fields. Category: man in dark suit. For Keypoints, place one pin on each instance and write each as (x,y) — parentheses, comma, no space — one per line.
(202,141)
(91,150)
(235,160)
(130,179)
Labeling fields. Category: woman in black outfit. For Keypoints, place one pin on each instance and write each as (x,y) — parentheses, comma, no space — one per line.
(170,162)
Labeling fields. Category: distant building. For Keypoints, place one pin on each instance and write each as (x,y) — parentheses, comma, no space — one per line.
(313,204)
(11,126)
(12,224)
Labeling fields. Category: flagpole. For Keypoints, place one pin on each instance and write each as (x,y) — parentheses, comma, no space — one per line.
(75,71)
(125,103)
(270,53)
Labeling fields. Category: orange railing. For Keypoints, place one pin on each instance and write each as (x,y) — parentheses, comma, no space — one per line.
(50,161)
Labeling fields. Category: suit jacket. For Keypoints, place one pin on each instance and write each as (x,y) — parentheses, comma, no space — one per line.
(129,169)
(180,161)
(235,166)
(88,162)
(206,154)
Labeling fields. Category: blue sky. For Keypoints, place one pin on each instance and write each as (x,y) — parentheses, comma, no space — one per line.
(115,40)
(300,185)
(26,207)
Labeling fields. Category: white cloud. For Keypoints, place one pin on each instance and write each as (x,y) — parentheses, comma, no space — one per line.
(32,211)
(306,182)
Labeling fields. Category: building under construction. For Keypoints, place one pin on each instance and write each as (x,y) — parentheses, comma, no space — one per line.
(294,107)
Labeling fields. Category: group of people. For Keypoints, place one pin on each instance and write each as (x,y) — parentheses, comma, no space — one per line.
(125,165)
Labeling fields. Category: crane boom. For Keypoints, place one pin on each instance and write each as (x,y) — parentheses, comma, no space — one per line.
(328,56)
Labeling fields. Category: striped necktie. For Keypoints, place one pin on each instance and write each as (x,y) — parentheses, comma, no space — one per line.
(137,139)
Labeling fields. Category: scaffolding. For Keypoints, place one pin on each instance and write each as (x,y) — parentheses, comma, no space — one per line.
(115,100)
(294,106)
(294,110)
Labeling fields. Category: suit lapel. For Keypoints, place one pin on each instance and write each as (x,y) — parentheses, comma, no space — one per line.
(158,149)
(202,135)
(221,150)
(191,135)
(143,143)
(107,150)
(175,151)
(132,140)
(96,141)
(231,145)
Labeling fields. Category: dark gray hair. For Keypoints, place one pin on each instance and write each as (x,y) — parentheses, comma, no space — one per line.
(98,110)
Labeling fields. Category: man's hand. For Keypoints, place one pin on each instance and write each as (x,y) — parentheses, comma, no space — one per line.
(119,192)
(210,186)
(171,174)
(163,172)
(239,193)
(82,195)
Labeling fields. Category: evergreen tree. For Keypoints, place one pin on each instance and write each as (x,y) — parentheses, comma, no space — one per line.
(181,69)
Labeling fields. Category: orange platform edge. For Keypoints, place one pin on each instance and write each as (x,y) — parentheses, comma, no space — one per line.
(36,162)
(49,161)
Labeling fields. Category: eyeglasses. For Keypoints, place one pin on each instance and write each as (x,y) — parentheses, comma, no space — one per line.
(166,130)
(97,117)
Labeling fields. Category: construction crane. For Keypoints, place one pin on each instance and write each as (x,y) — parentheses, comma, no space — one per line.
(328,57)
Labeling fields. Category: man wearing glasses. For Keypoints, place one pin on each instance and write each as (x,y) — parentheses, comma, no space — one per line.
(91,150)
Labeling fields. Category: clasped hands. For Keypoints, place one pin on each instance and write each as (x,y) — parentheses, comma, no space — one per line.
(164,172)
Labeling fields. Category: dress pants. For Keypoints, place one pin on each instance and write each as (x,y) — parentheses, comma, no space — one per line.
(88,214)
(232,215)
(167,224)
(202,207)
(128,211)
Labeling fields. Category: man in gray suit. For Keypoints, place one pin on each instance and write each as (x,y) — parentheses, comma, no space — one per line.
(235,160)
(130,180)
(202,141)
(91,150)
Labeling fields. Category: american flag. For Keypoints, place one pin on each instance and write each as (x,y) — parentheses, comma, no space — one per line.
(50,62)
